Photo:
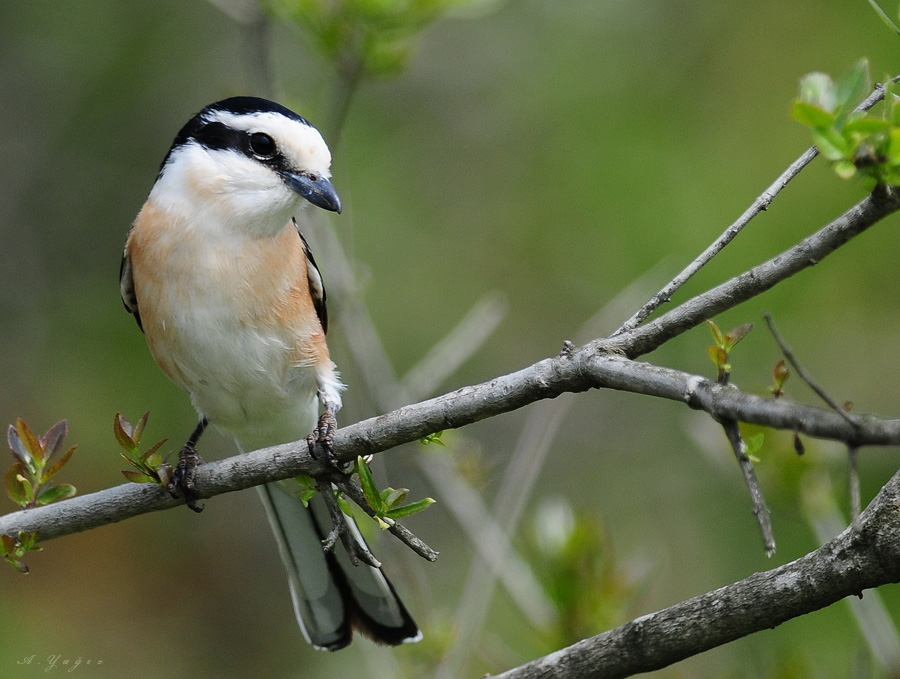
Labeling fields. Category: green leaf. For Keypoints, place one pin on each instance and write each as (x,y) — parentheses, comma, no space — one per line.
(27,487)
(811,115)
(893,148)
(845,169)
(343,504)
(373,497)
(138,477)
(137,464)
(28,541)
(852,86)
(755,442)
(55,493)
(433,438)
(717,355)
(410,509)
(718,338)
(866,126)
(391,497)
(831,144)
(14,488)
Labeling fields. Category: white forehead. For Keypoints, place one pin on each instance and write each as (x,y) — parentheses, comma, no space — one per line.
(300,143)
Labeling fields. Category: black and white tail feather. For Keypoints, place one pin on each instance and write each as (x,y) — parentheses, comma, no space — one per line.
(331,596)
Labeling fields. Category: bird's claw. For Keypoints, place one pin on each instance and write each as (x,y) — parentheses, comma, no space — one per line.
(182,482)
(322,439)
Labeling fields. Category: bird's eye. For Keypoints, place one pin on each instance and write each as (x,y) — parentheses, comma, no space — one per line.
(262,145)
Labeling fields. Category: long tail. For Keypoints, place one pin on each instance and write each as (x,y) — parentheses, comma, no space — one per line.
(332,597)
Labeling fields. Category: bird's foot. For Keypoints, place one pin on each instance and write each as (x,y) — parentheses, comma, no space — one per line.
(182,483)
(321,440)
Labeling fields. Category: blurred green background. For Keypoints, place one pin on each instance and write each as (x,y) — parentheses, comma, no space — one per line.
(554,151)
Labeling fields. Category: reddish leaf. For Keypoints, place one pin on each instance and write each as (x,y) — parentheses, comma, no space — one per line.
(9,544)
(52,441)
(29,440)
(59,464)
(152,449)
(123,431)
(139,428)
(19,451)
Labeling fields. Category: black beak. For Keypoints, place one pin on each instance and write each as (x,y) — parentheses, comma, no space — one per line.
(317,190)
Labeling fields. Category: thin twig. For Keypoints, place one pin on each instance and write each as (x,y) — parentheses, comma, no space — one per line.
(805,376)
(760,509)
(808,252)
(761,203)
(351,489)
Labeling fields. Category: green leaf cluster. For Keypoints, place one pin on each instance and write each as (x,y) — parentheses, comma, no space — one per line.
(365,37)
(387,503)
(857,143)
(149,466)
(36,461)
(720,351)
(15,548)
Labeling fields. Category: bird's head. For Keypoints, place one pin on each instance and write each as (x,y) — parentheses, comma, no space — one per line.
(247,164)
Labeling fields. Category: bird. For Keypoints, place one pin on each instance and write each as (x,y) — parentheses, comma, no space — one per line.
(219,277)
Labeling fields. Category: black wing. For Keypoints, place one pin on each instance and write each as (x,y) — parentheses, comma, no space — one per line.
(316,287)
(126,288)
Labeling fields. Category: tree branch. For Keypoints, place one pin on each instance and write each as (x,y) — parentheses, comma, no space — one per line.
(850,563)
(759,205)
(582,369)
(806,253)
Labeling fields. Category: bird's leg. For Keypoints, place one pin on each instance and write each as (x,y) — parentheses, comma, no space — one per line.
(182,483)
(322,437)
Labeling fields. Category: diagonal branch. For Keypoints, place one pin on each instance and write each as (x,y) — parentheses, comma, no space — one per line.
(761,204)
(806,253)
(850,563)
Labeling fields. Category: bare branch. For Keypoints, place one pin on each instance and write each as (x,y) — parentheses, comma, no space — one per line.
(760,204)
(760,509)
(806,253)
(850,563)
(801,373)
(585,368)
